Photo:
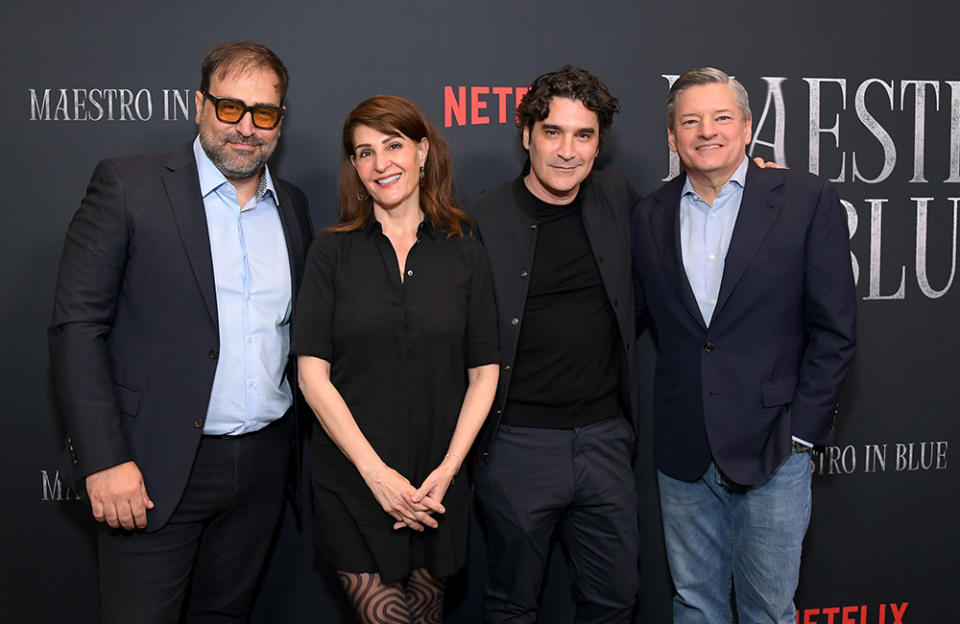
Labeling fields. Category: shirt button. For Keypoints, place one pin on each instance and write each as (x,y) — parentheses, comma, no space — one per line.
(514,321)
(533,226)
(410,273)
(713,302)
(709,347)
(198,423)
(713,257)
(213,354)
(249,338)
(524,274)
(506,367)
(713,214)
(251,383)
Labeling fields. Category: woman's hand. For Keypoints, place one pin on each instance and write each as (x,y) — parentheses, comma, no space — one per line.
(431,492)
(396,497)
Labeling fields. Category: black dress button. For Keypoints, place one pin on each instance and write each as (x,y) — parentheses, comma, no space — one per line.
(709,347)
(506,367)
(213,354)
(198,423)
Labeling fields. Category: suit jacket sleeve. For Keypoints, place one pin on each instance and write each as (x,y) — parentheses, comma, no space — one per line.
(829,321)
(88,287)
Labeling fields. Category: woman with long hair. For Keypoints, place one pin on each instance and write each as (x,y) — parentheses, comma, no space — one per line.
(396,337)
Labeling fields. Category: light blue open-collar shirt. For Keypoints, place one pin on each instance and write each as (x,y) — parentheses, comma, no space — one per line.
(251,270)
(705,232)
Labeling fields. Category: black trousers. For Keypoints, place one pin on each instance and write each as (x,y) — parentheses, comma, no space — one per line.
(204,564)
(579,481)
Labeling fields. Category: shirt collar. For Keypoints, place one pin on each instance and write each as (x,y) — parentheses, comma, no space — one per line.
(739,177)
(373,226)
(212,178)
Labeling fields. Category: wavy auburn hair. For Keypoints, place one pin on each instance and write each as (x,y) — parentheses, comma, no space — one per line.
(391,114)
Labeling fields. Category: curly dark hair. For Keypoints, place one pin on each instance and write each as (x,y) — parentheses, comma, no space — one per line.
(569,82)
(390,113)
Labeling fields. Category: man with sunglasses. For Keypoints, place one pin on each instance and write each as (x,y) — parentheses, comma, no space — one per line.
(169,346)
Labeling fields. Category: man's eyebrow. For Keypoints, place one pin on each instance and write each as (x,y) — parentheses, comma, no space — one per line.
(584,130)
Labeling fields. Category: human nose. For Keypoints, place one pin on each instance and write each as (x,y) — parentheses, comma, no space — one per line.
(707,128)
(245,125)
(380,161)
(566,150)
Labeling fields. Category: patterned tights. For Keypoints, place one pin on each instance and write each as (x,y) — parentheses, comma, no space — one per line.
(418,600)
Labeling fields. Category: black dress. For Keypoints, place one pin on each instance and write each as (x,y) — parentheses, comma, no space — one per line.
(399,352)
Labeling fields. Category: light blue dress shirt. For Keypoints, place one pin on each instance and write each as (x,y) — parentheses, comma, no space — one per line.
(705,232)
(251,269)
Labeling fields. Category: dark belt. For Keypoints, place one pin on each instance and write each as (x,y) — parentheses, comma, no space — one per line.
(231,436)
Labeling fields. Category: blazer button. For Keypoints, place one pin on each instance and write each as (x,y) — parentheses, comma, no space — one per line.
(708,347)
(524,274)
(533,226)
(198,423)
(213,354)
(514,321)
(506,367)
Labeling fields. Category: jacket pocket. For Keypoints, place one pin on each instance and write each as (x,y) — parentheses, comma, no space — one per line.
(779,392)
(128,399)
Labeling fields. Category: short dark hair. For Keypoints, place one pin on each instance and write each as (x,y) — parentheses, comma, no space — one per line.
(568,82)
(242,56)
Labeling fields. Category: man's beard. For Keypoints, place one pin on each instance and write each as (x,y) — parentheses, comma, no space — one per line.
(231,165)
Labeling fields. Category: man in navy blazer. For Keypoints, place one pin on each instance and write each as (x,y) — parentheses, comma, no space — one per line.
(744,276)
(169,346)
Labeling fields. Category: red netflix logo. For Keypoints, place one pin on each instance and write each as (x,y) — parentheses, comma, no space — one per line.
(477,106)
(891,613)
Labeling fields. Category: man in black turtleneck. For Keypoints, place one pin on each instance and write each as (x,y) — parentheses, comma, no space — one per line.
(556,453)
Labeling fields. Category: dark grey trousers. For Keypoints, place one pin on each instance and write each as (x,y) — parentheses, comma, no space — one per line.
(578,483)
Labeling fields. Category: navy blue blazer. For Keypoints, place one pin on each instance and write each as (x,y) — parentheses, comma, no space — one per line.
(771,364)
(134,339)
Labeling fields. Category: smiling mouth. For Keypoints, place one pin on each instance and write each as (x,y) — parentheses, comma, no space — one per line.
(712,146)
(388,180)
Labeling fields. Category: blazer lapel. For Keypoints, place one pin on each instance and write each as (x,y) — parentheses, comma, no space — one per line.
(293,236)
(665,227)
(759,209)
(183,191)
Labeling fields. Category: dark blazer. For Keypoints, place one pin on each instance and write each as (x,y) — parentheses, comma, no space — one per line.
(134,338)
(509,234)
(771,364)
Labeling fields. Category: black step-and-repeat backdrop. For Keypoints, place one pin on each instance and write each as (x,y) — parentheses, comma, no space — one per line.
(864,93)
